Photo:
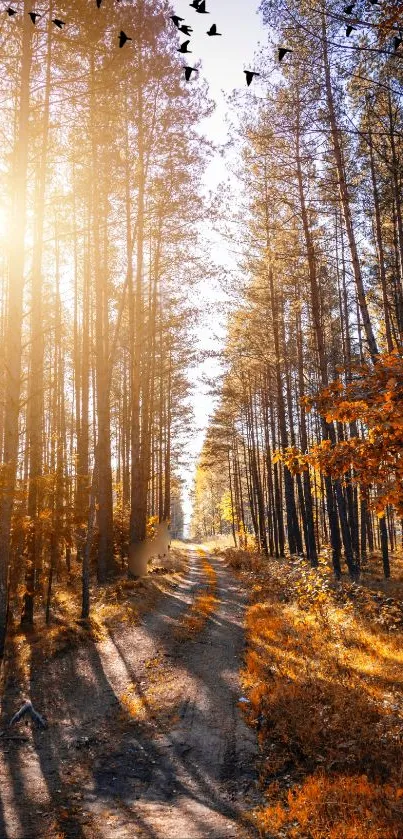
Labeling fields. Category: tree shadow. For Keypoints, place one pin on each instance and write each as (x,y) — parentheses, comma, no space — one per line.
(203,777)
(18,805)
(126,763)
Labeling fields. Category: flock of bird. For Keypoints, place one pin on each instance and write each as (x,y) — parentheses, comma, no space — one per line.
(200,7)
(123,38)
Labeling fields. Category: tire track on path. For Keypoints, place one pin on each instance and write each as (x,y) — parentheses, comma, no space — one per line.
(197,775)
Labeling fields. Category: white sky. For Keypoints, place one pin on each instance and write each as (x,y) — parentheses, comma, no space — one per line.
(223,58)
(223,61)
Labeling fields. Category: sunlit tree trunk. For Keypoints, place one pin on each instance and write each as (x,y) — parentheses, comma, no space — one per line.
(167,461)
(138,502)
(104,487)
(35,390)
(327,428)
(292,522)
(345,198)
(13,336)
(310,530)
(380,249)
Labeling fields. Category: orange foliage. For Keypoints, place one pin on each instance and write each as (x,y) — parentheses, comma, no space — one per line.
(345,807)
(324,674)
(374,398)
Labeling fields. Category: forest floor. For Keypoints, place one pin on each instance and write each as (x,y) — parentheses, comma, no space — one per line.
(227,695)
(324,677)
(146,735)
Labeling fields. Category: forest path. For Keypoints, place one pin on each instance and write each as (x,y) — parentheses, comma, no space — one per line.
(146,736)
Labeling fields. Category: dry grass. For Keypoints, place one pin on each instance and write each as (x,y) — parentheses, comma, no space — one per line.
(324,676)
(126,600)
(133,704)
(157,698)
(143,704)
(204,604)
(219,542)
(346,807)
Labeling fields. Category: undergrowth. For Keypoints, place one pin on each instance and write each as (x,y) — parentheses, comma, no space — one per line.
(323,674)
(121,601)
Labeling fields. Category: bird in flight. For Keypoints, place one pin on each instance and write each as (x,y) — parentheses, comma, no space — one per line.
(184,47)
(201,8)
(11,11)
(59,23)
(123,38)
(185,29)
(282,51)
(349,30)
(34,16)
(249,76)
(397,40)
(213,30)
(189,71)
(195,4)
(348,9)
(177,20)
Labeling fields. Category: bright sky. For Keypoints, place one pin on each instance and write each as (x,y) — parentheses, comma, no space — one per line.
(223,58)
(223,61)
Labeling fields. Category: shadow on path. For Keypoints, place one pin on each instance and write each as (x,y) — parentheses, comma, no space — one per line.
(101,773)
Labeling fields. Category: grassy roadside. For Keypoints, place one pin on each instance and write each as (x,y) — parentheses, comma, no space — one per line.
(324,676)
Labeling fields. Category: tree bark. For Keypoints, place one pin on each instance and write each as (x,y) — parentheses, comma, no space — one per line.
(13,336)
(345,199)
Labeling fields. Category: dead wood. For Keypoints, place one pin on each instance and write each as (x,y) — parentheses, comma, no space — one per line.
(28,708)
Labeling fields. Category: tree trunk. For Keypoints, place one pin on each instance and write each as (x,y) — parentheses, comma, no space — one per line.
(105,562)
(13,336)
(138,504)
(345,199)
(35,388)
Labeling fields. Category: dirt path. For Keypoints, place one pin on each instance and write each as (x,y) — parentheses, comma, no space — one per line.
(146,737)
